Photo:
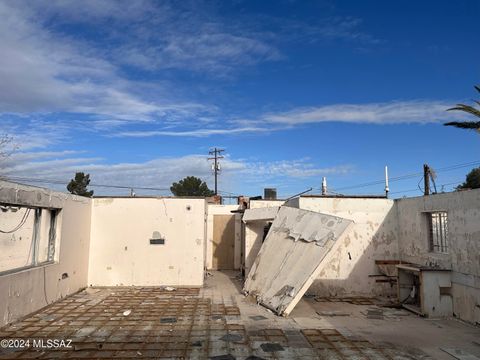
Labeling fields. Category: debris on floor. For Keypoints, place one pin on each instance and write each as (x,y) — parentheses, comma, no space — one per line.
(333,313)
(168,288)
(350,300)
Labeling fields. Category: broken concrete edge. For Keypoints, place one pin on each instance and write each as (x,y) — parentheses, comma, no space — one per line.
(308,230)
(33,196)
(260,214)
(309,281)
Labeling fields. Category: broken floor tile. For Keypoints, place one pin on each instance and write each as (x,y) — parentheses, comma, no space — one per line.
(232,337)
(168,320)
(271,347)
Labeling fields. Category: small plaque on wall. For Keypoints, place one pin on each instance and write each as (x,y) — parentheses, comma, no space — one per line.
(157,241)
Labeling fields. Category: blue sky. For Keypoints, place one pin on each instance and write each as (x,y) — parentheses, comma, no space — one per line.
(136,92)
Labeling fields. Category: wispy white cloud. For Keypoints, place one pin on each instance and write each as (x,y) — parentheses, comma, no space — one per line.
(192,133)
(394,112)
(44,71)
(161,172)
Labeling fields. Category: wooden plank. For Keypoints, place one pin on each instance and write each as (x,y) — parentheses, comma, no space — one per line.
(223,242)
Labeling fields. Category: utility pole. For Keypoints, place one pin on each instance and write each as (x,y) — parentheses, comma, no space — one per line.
(216,166)
(387,188)
(426,179)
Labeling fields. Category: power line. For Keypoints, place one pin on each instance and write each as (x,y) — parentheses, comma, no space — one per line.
(406,176)
(63,182)
(411,190)
(216,166)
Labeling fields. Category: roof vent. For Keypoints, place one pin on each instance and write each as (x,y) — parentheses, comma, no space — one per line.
(270,194)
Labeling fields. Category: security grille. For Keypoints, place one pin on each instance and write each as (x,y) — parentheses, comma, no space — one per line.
(438,231)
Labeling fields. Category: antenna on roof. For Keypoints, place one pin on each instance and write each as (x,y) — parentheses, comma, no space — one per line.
(324,186)
(387,189)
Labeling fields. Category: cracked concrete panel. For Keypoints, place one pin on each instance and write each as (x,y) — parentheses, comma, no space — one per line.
(291,255)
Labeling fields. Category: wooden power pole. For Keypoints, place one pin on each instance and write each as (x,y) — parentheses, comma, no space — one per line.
(426,179)
(216,166)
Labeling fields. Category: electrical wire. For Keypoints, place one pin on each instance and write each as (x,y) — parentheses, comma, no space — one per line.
(406,176)
(412,190)
(62,182)
(22,222)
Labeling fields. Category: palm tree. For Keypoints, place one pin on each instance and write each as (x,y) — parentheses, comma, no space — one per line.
(472,125)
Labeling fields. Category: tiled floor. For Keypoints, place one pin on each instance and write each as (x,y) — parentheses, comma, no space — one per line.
(214,322)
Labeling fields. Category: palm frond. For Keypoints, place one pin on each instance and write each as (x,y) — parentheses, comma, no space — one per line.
(473,125)
(466,108)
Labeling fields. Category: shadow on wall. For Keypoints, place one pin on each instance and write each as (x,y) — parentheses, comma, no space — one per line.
(348,268)
(223,242)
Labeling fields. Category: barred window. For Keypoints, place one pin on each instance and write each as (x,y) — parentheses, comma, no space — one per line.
(438,231)
(28,237)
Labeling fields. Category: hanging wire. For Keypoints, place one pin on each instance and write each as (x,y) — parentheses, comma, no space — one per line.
(22,222)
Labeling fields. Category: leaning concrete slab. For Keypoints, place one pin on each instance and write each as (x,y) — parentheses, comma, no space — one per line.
(290,257)
(266,213)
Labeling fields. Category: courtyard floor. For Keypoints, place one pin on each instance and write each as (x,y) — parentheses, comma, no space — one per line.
(218,322)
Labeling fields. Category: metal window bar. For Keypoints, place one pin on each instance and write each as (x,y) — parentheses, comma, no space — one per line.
(438,229)
(52,234)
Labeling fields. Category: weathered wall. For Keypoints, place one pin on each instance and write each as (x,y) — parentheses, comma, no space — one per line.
(29,290)
(121,253)
(463,211)
(16,247)
(373,236)
(253,233)
(213,209)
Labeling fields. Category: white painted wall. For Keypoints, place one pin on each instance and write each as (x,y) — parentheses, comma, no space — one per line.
(27,291)
(253,233)
(373,236)
(214,209)
(463,211)
(121,253)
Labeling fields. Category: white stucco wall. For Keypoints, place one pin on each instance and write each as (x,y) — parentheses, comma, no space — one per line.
(253,233)
(463,257)
(29,290)
(121,253)
(373,236)
(212,210)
